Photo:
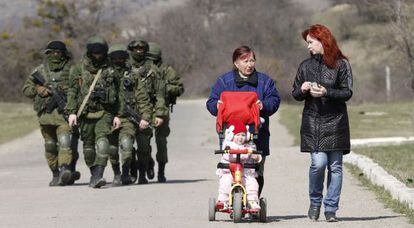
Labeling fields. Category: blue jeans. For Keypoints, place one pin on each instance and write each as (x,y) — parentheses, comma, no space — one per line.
(320,161)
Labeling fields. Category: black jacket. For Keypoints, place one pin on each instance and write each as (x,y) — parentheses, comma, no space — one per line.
(325,125)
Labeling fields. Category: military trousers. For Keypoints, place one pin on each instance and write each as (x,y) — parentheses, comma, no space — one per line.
(161,134)
(95,133)
(58,150)
(144,146)
(127,135)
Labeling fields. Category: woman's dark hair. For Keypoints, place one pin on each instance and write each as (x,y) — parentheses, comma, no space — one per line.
(242,52)
(331,51)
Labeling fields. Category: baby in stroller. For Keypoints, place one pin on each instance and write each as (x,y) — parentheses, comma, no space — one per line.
(237,137)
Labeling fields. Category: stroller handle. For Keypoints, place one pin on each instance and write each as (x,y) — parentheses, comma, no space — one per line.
(246,166)
(231,151)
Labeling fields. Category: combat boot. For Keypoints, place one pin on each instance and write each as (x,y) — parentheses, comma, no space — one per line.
(142,179)
(117,176)
(55,179)
(125,178)
(98,180)
(65,175)
(150,170)
(161,173)
(134,171)
(92,179)
(75,174)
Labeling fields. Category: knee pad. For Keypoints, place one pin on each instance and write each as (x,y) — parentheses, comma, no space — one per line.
(64,140)
(51,147)
(127,143)
(102,146)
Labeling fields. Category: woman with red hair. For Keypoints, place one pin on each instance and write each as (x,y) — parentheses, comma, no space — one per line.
(324,82)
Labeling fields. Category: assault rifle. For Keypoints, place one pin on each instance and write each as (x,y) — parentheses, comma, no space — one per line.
(58,97)
(131,115)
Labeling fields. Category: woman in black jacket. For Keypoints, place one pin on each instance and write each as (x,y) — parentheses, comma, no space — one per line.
(324,82)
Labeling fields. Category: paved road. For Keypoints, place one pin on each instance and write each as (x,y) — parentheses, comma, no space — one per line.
(27,201)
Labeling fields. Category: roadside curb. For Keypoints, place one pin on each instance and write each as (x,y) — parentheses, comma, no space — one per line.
(389,141)
(376,174)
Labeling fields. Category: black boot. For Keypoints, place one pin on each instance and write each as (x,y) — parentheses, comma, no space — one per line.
(75,174)
(98,180)
(125,178)
(161,173)
(65,175)
(313,212)
(150,170)
(92,179)
(117,176)
(142,179)
(134,171)
(55,179)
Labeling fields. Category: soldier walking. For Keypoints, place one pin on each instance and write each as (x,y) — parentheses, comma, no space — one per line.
(155,86)
(173,89)
(92,100)
(47,86)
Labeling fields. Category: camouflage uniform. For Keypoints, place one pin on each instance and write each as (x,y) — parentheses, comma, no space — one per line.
(55,130)
(173,89)
(133,100)
(155,86)
(97,116)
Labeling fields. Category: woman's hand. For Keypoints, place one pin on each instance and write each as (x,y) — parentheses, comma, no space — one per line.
(318,91)
(218,103)
(306,86)
(116,123)
(260,104)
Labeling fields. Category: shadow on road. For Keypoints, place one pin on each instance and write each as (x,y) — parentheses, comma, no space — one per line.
(181,181)
(286,217)
(365,218)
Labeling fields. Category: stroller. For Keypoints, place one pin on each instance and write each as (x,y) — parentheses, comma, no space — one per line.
(240,105)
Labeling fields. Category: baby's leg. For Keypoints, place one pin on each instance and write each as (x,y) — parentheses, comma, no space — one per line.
(224,187)
(252,188)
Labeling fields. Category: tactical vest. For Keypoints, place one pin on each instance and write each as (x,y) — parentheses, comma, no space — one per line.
(58,80)
(106,83)
(150,80)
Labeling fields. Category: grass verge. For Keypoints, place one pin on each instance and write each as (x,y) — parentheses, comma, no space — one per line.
(396,160)
(16,120)
(382,195)
(366,121)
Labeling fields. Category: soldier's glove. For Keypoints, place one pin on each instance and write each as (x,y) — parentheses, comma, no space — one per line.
(42,91)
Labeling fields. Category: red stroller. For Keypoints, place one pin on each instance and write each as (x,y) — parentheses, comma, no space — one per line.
(240,105)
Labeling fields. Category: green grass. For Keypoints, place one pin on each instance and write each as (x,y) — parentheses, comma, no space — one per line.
(397,120)
(16,119)
(396,160)
(382,195)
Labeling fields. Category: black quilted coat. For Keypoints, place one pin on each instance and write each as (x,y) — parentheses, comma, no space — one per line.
(325,125)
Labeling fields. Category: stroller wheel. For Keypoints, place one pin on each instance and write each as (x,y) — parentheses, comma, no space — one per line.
(263,213)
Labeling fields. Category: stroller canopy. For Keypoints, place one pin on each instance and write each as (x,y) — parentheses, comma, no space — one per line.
(238,105)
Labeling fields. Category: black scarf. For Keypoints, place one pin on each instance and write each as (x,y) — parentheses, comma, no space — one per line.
(250,80)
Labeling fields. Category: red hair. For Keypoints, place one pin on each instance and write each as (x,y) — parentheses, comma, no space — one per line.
(331,51)
(242,52)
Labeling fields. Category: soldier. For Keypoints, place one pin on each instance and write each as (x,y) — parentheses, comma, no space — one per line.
(135,111)
(155,87)
(47,86)
(93,99)
(174,88)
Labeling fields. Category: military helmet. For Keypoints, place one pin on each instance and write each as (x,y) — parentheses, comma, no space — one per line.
(154,52)
(118,51)
(138,43)
(56,45)
(97,44)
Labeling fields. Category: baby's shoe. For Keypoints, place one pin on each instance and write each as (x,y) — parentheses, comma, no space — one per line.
(254,205)
(225,204)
